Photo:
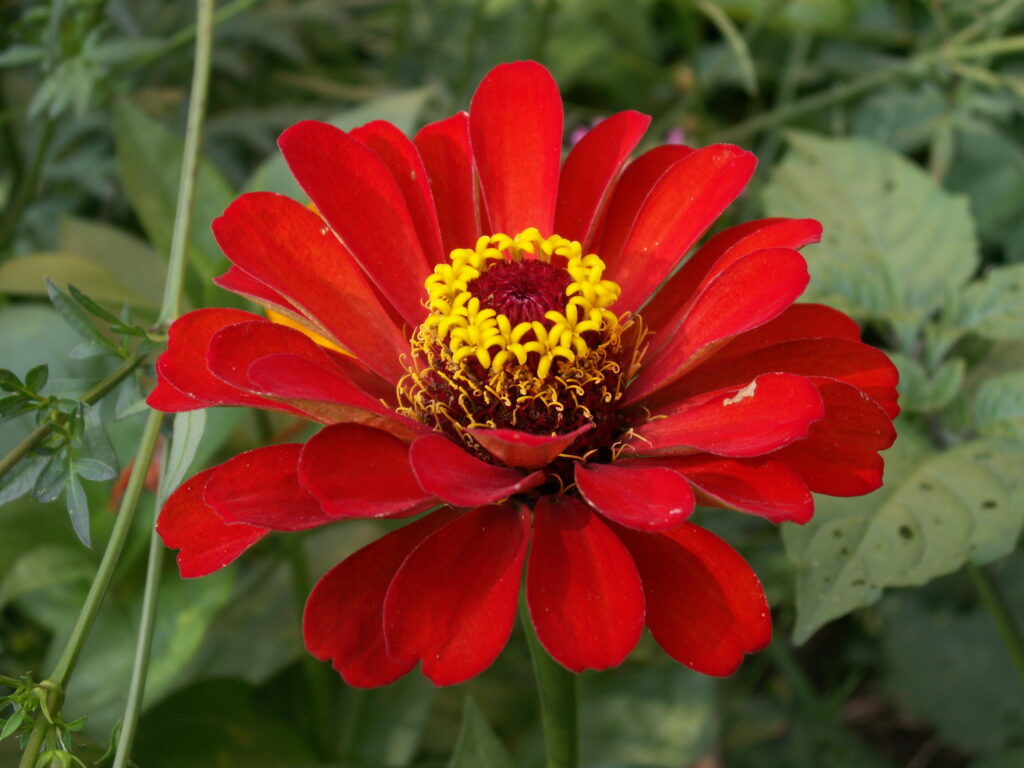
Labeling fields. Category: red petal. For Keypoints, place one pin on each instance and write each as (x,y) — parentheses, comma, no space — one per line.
(327,396)
(642,497)
(525,449)
(183,365)
(453,602)
(291,249)
(589,174)
(515,126)
(774,410)
(705,606)
(718,253)
(840,455)
(355,192)
(448,158)
(206,542)
(761,486)
(683,203)
(403,159)
(261,487)
(858,364)
(754,290)
(629,195)
(357,471)
(800,321)
(234,348)
(585,597)
(344,617)
(449,472)
(169,399)
(241,282)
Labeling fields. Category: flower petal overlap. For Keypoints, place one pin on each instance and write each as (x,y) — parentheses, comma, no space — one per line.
(525,350)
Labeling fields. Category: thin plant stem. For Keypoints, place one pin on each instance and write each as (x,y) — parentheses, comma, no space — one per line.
(144,643)
(559,703)
(169,310)
(315,673)
(1001,615)
(951,51)
(92,396)
(98,589)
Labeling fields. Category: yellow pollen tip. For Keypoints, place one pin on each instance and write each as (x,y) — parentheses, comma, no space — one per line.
(472,331)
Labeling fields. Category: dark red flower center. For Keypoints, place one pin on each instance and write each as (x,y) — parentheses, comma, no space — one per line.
(522,290)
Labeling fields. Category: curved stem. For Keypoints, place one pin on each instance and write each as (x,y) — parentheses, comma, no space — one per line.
(1001,615)
(556,687)
(101,581)
(94,395)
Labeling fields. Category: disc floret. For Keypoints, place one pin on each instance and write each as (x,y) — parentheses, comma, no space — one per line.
(521,334)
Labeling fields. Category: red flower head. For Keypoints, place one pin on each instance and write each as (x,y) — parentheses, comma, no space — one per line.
(505,339)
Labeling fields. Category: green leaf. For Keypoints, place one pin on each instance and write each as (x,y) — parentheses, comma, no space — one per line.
(894,242)
(188,432)
(149,159)
(8,381)
(28,275)
(12,723)
(45,566)
(218,723)
(656,714)
(78,507)
(402,109)
(388,723)
(936,511)
(95,441)
(94,469)
(921,392)
(478,746)
(994,306)
(75,317)
(36,378)
(949,667)
(999,406)
(19,54)
(21,479)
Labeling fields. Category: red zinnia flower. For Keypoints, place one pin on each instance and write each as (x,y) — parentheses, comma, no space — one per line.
(503,338)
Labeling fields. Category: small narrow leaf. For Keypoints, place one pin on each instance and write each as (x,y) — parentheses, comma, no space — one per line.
(8,381)
(22,479)
(188,432)
(78,508)
(12,723)
(74,316)
(95,470)
(91,306)
(50,482)
(94,438)
(478,746)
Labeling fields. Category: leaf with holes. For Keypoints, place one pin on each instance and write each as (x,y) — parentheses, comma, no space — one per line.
(936,511)
(894,243)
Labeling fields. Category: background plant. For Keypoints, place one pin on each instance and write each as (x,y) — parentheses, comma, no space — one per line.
(898,124)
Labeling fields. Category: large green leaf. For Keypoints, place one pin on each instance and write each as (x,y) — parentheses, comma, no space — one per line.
(994,306)
(999,406)
(935,512)
(950,667)
(149,159)
(478,746)
(654,714)
(895,243)
(218,723)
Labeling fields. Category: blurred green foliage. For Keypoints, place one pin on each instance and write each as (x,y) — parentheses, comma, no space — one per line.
(874,116)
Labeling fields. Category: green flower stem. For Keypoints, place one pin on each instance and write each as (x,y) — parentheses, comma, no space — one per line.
(144,454)
(1001,615)
(177,264)
(94,395)
(556,687)
(318,686)
(98,589)
(144,643)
